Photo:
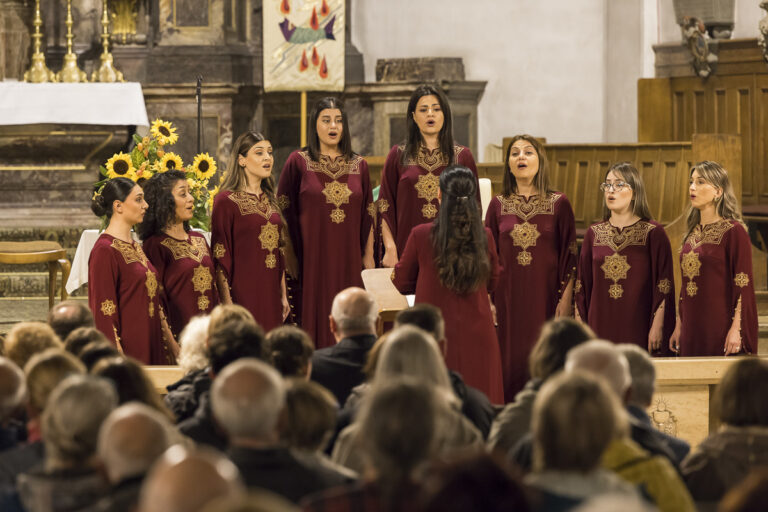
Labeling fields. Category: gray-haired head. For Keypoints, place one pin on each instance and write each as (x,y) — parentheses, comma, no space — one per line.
(642,373)
(194,351)
(13,388)
(354,311)
(602,358)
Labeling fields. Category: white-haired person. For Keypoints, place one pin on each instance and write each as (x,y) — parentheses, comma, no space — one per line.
(182,396)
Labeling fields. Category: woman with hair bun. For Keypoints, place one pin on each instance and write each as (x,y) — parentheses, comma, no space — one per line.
(123,288)
(452,264)
(181,257)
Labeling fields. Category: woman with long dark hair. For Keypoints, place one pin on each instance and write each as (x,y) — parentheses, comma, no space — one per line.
(535,234)
(717,314)
(247,234)
(452,264)
(123,289)
(181,257)
(409,180)
(325,196)
(625,287)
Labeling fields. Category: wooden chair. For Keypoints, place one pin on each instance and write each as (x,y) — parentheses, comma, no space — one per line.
(19,253)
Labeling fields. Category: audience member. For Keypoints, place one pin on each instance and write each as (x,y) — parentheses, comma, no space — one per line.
(291,351)
(131,382)
(224,313)
(254,501)
(68,315)
(184,395)
(13,397)
(751,495)
(94,352)
(78,339)
(26,339)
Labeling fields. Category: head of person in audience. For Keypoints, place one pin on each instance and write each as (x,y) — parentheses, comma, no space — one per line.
(26,339)
(257,500)
(72,419)
(557,337)
(235,339)
(82,337)
(458,234)
(575,417)
(13,390)
(130,440)
(328,129)
(131,382)
(624,192)
(251,162)
(121,201)
(740,396)
(750,495)
(602,358)
(308,419)
(68,315)
(193,339)
(477,482)
(429,116)
(642,375)
(354,312)
(247,398)
(426,317)
(170,203)
(45,371)
(225,312)
(94,352)
(186,479)
(372,358)
(526,161)
(710,187)
(291,351)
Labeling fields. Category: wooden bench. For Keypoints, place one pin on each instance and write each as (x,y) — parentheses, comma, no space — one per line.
(20,253)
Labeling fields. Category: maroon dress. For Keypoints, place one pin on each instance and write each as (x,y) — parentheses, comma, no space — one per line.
(408,193)
(124,295)
(625,274)
(472,346)
(245,235)
(716,267)
(536,240)
(185,269)
(329,209)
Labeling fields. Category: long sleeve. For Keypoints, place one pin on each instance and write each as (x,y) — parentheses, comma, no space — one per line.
(492,223)
(390,176)
(493,279)
(743,297)
(582,289)
(566,231)
(368,213)
(103,279)
(663,282)
(288,198)
(406,272)
(222,242)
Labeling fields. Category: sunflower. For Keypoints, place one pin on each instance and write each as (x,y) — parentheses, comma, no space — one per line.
(164,132)
(120,166)
(169,162)
(204,166)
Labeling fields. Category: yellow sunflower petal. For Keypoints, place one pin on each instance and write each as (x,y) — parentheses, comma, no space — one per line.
(170,161)
(204,166)
(163,132)
(120,165)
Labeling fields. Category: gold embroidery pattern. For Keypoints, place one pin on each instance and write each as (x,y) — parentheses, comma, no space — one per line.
(283,202)
(427,187)
(108,308)
(392,275)
(524,236)
(516,205)
(337,194)
(709,234)
(248,204)
(372,210)
(664,286)
(131,252)
(117,341)
(151,284)
(577,286)
(691,266)
(691,288)
(334,168)
(615,268)
(203,303)
(430,160)
(383,205)
(195,249)
(269,238)
(741,280)
(201,282)
(219,251)
(608,235)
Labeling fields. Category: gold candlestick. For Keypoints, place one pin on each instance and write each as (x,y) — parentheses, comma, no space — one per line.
(38,72)
(70,72)
(107,71)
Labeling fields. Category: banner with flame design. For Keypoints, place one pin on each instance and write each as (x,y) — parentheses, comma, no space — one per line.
(304,45)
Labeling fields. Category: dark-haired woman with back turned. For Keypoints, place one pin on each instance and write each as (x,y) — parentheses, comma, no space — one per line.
(123,289)
(625,288)
(452,264)
(535,234)
(325,195)
(181,257)
(409,180)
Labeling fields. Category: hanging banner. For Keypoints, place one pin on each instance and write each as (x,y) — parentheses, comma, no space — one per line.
(304,45)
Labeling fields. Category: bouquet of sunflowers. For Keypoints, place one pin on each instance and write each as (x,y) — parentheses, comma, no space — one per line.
(149,156)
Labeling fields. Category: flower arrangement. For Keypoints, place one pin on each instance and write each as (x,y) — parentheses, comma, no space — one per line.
(149,157)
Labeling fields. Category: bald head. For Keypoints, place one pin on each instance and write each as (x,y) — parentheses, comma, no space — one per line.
(602,358)
(68,315)
(132,437)
(185,480)
(13,389)
(354,312)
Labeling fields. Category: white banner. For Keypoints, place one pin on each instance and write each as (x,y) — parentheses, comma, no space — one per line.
(304,45)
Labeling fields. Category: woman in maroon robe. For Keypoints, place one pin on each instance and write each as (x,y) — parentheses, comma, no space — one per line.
(717,314)
(325,196)
(181,257)
(247,234)
(452,264)
(123,289)
(625,286)
(535,235)
(409,180)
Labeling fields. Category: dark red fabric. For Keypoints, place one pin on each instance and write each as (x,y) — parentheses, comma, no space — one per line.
(329,209)
(536,241)
(243,231)
(472,346)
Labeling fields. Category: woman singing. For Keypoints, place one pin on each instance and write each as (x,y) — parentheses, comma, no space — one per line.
(625,287)
(181,257)
(535,234)
(409,180)
(717,314)
(247,234)
(123,289)
(325,196)
(452,264)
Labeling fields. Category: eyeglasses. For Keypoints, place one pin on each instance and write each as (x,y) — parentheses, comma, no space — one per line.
(617,186)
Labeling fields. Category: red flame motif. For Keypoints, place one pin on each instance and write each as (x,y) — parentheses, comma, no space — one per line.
(324,9)
(313,20)
(323,69)
(285,7)
(315,57)
(304,64)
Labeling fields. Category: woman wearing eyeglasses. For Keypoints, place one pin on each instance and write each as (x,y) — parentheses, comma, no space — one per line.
(625,287)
